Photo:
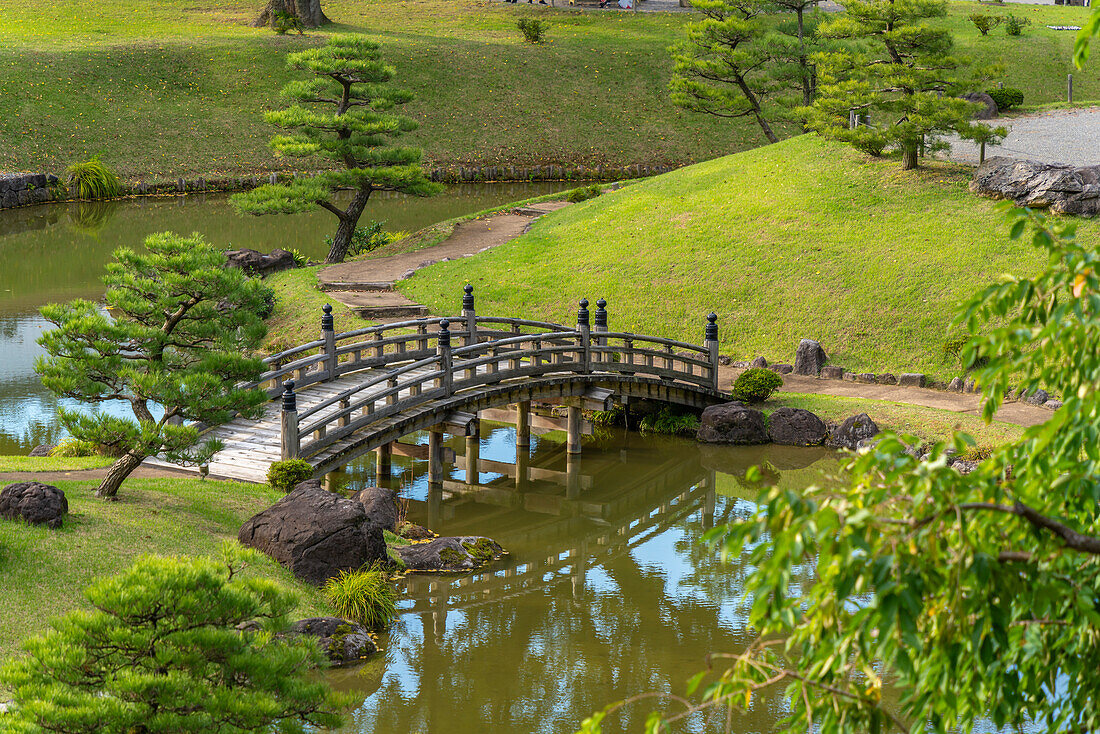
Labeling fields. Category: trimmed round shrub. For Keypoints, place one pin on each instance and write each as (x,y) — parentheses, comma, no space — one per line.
(1006,98)
(364,596)
(756,385)
(284,475)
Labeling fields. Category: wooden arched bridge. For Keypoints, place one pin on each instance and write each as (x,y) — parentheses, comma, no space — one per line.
(347,394)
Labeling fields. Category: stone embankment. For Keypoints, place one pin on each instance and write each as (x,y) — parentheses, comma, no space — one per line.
(22,189)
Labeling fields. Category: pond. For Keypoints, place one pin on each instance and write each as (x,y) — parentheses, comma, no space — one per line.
(603,596)
(56,252)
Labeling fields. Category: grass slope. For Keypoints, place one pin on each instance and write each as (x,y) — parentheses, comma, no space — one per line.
(802,239)
(177,87)
(166,88)
(43,572)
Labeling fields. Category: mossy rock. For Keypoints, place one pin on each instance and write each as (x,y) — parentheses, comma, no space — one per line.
(343,642)
(465,553)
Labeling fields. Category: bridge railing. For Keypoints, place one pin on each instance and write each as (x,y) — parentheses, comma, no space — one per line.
(423,366)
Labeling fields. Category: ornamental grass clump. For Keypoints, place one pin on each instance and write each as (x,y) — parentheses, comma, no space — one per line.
(363,596)
(93,180)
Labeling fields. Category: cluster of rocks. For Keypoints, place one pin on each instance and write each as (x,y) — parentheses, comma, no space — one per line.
(258,263)
(1064,189)
(21,189)
(317,534)
(738,424)
(35,503)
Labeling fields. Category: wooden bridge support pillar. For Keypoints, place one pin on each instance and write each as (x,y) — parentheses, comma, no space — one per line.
(435,457)
(523,425)
(573,428)
(709,500)
(473,458)
(330,481)
(523,467)
(383,461)
(435,505)
(580,565)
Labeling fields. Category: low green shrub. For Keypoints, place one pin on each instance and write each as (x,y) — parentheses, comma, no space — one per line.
(369,237)
(985,23)
(299,259)
(72,448)
(756,385)
(584,193)
(284,475)
(534,29)
(670,423)
(364,596)
(285,22)
(1006,98)
(1015,26)
(93,180)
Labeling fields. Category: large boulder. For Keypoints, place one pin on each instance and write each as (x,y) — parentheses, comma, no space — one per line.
(809,358)
(42,449)
(911,379)
(381,505)
(852,432)
(464,553)
(254,262)
(796,427)
(732,423)
(342,641)
(988,109)
(37,503)
(315,533)
(1065,189)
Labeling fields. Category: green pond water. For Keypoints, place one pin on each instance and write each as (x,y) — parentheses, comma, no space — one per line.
(603,595)
(56,252)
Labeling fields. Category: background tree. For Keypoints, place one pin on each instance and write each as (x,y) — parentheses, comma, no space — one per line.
(161,653)
(308,12)
(352,127)
(182,331)
(899,75)
(941,598)
(743,57)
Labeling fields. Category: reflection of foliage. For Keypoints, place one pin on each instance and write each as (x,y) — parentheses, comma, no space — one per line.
(89,217)
(670,423)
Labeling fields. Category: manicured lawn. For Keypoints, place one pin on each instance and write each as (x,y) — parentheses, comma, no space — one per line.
(177,88)
(52,463)
(43,572)
(803,239)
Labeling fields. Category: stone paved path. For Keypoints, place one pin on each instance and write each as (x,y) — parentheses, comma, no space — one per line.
(1059,136)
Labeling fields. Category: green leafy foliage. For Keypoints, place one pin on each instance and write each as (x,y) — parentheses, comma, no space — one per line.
(584,193)
(344,113)
(364,596)
(1014,25)
(181,335)
(533,29)
(285,22)
(367,238)
(161,654)
(93,179)
(73,448)
(1006,98)
(899,74)
(933,600)
(755,385)
(985,22)
(284,475)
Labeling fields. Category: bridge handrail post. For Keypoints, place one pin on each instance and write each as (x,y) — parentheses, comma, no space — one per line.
(328,334)
(711,336)
(601,327)
(584,328)
(288,434)
(443,349)
(470,314)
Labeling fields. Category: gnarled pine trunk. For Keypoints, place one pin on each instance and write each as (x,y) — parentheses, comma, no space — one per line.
(909,157)
(307,11)
(118,472)
(348,221)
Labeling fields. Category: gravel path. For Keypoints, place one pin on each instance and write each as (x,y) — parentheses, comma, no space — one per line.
(1058,136)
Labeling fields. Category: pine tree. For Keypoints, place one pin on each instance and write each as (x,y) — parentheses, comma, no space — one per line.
(183,326)
(161,653)
(352,123)
(900,78)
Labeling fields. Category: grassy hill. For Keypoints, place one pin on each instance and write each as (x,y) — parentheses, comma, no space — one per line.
(804,238)
(176,87)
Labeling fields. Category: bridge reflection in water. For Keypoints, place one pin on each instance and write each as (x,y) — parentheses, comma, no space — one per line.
(606,591)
